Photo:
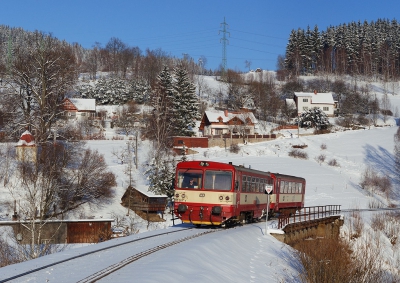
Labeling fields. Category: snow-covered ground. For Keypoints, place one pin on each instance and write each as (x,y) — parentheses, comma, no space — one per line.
(242,254)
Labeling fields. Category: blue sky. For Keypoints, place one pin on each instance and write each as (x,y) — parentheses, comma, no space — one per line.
(258,30)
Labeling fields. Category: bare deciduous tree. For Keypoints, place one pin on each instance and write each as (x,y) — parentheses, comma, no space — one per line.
(39,75)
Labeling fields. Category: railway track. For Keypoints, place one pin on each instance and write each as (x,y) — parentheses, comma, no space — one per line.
(104,272)
(114,267)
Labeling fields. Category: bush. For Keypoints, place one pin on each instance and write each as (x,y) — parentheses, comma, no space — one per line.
(362,120)
(321,158)
(234,148)
(372,182)
(323,146)
(322,131)
(333,162)
(297,153)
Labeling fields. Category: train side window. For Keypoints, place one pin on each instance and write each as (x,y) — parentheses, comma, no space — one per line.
(282,187)
(256,189)
(244,178)
(300,188)
(248,184)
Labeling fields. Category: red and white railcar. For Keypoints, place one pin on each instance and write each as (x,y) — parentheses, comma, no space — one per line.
(215,193)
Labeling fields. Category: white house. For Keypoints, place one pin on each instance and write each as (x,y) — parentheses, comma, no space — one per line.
(307,100)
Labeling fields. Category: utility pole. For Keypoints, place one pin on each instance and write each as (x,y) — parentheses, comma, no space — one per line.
(224,40)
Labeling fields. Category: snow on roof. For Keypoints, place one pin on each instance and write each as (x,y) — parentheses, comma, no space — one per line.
(26,139)
(324,97)
(214,115)
(290,101)
(84,104)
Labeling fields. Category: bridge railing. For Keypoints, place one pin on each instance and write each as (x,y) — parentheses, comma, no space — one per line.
(307,214)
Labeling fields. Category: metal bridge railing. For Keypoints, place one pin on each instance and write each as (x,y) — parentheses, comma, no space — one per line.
(307,214)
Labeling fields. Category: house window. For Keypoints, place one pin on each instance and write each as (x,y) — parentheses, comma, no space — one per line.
(83,114)
(305,108)
(180,141)
(218,131)
(325,108)
(305,99)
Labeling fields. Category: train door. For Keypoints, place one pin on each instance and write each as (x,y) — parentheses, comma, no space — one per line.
(238,186)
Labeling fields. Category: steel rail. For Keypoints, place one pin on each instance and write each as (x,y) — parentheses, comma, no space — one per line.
(88,253)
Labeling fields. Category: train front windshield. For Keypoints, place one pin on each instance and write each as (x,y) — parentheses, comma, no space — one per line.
(191,179)
(213,180)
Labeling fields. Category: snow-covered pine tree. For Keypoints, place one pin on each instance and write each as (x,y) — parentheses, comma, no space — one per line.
(108,91)
(161,120)
(315,118)
(161,174)
(185,103)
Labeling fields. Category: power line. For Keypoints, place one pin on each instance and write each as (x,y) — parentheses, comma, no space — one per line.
(260,34)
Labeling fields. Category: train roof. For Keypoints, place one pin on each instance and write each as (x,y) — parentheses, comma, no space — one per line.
(238,167)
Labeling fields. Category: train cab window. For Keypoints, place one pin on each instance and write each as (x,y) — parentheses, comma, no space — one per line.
(218,180)
(190,179)
(244,183)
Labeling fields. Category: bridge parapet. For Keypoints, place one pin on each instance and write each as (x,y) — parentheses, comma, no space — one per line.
(307,214)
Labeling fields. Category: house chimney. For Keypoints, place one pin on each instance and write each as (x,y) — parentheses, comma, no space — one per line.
(315,91)
(226,113)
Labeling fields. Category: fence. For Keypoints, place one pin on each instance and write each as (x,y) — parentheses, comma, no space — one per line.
(308,214)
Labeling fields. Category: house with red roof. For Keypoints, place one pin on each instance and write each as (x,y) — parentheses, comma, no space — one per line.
(79,108)
(224,122)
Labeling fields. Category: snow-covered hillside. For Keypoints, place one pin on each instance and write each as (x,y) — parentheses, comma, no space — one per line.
(262,258)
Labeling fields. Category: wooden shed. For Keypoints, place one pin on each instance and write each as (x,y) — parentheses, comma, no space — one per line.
(62,231)
(140,201)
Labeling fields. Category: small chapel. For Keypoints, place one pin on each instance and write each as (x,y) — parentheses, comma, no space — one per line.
(26,148)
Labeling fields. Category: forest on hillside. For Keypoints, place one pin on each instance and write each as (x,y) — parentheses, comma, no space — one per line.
(369,49)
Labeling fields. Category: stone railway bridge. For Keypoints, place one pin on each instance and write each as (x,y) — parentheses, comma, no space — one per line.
(310,222)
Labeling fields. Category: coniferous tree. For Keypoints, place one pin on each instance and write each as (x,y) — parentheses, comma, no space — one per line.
(185,103)
(161,120)
(315,118)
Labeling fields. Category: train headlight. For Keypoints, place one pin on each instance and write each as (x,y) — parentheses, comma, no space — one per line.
(176,195)
(216,210)
(221,197)
(227,198)
(182,208)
